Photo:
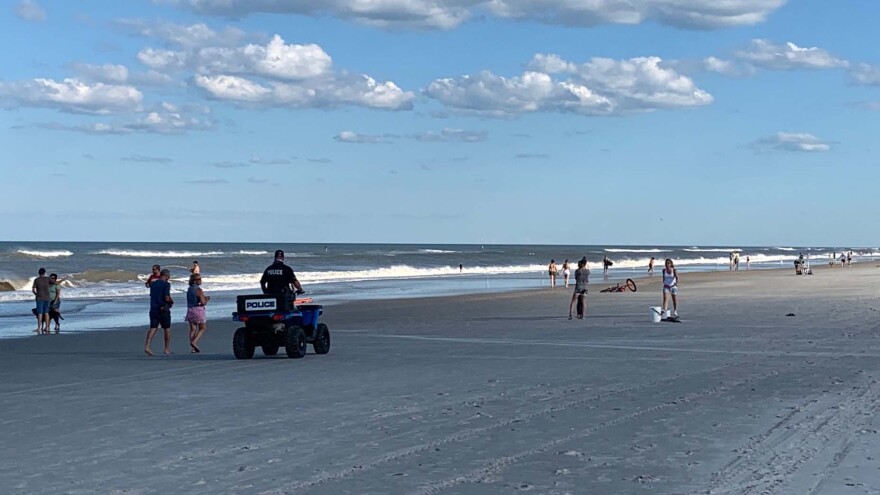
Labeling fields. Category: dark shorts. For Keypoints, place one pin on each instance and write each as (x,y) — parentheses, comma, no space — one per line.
(581,292)
(160,319)
(42,307)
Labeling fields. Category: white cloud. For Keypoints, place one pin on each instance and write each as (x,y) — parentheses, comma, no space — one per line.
(726,67)
(275,60)
(187,36)
(768,55)
(355,138)
(165,118)
(866,75)
(73,95)
(788,141)
(119,74)
(328,92)
(447,14)
(600,87)
(159,59)
(30,10)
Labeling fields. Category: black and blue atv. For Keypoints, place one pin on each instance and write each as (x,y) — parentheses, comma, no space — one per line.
(273,321)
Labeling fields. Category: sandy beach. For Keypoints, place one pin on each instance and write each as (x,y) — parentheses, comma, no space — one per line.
(479,394)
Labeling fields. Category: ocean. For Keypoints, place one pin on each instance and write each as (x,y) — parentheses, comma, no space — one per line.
(104,286)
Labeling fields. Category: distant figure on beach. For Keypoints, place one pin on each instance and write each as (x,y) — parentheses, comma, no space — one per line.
(40,288)
(195,311)
(748,263)
(195,270)
(153,276)
(849,258)
(731,260)
(278,278)
(842,260)
(581,280)
(651,267)
(566,271)
(670,287)
(460,268)
(606,264)
(736,260)
(160,310)
(55,301)
(553,272)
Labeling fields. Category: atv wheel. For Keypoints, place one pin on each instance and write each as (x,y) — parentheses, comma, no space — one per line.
(242,346)
(322,339)
(270,350)
(296,342)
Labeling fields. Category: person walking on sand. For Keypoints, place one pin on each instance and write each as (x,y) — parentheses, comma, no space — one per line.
(670,288)
(606,264)
(195,311)
(40,288)
(581,280)
(160,310)
(651,267)
(153,276)
(553,272)
(566,271)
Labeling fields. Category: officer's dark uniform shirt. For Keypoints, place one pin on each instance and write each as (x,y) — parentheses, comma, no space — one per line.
(278,278)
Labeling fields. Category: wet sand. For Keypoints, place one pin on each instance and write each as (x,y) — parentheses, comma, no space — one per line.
(474,394)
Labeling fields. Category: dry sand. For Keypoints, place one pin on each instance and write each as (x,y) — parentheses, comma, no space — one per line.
(490,394)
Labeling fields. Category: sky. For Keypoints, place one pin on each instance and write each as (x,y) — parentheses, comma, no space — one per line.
(645,122)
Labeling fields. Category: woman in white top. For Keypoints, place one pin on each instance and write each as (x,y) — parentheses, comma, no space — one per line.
(566,271)
(670,287)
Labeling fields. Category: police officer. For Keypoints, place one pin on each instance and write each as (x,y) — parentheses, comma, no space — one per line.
(278,277)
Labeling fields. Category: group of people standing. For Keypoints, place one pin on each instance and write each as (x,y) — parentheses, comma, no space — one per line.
(47,291)
(582,280)
(161,303)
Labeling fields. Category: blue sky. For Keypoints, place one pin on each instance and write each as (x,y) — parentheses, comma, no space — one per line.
(441,121)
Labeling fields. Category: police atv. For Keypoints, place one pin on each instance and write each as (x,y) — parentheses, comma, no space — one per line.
(273,321)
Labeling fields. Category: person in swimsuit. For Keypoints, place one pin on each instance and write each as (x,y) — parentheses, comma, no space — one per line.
(670,288)
(651,267)
(581,279)
(553,272)
(566,271)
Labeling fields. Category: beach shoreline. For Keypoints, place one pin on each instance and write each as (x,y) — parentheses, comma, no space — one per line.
(490,393)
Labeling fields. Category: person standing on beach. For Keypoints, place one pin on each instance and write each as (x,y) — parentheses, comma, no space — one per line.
(153,276)
(651,267)
(748,263)
(670,287)
(566,272)
(40,288)
(160,310)
(849,258)
(552,271)
(55,301)
(195,311)
(460,268)
(606,263)
(195,270)
(581,280)
(736,261)
(731,261)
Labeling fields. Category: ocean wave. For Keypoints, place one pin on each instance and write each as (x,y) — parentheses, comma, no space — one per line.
(252,253)
(436,251)
(133,253)
(711,250)
(45,254)
(94,276)
(637,251)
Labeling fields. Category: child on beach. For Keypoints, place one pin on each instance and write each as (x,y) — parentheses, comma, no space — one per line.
(581,279)
(670,288)
(195,311)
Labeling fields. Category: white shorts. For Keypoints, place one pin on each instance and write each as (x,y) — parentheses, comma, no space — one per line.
(672,290)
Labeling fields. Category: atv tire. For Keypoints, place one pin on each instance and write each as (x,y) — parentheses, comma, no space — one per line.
(242,346)
(321,344)
(295,343)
